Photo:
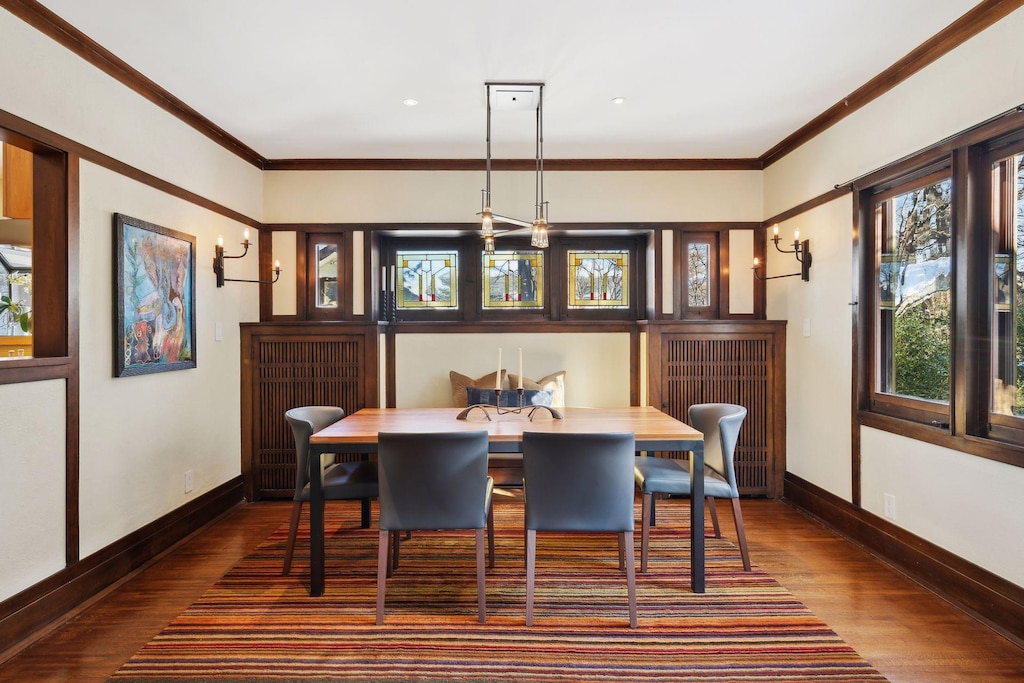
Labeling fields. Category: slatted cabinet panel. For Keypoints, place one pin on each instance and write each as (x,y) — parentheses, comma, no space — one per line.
(287,370)
(737,363)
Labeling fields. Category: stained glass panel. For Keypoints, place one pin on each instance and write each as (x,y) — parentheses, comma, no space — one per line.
(598,279)
(698,274)
(429,279)
(513,279)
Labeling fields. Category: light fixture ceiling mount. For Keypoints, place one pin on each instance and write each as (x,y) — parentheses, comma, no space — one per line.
(526,97)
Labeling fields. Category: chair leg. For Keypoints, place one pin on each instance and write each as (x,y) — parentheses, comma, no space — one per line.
(740,533)
(714,515)
(531,561)
(481,583)
(396,544)
(490,536)
(293,531)
(645,532)
(364,512)
(626,540)
(622,552)
(383,541)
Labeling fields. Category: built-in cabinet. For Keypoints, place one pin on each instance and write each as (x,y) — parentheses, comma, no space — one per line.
(742,362)
(287,365)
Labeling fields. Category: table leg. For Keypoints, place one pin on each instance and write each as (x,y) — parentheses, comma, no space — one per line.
(316,523)
(697,517)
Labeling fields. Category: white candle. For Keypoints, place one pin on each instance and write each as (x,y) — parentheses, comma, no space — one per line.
(393,279)
(520,368)
(497,378)
(383,278)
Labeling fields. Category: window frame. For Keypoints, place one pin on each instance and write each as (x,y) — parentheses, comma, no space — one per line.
(968,426)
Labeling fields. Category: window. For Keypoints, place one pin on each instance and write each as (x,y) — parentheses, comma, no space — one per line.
(429,278)
(329,291)
(598,279)
(940,328)
(913,231)
(699,280)
(513,279)
(453,279)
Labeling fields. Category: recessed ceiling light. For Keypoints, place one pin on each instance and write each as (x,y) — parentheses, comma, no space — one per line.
(618,100)
(410,102)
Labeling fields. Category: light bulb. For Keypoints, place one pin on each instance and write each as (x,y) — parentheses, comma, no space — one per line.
(775,229)
(487,222)
(756,262)
(796,235)
(220,240)
(277,265)
(245,235)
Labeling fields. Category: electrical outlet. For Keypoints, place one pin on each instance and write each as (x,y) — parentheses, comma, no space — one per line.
(889,506)
(189,480)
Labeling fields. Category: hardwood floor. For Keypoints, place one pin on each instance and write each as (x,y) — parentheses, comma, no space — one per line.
(906,632)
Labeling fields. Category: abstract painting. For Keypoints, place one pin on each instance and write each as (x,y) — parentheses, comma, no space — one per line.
(154,300)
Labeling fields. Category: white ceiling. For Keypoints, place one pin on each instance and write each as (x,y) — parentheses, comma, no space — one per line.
(326,78)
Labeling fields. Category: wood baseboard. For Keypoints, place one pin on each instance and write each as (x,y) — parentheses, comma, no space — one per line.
(990,599)
(47,603)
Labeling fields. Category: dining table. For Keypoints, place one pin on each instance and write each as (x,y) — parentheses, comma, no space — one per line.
(653,430)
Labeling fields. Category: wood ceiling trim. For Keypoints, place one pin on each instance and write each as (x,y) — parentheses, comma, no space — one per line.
(512,165)
(52,25)
(969,25)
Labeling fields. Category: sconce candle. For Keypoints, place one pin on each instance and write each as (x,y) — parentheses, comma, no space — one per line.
(497,378)
(520,368)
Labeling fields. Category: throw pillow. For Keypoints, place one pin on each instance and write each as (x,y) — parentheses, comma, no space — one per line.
(509,399)
(554,383)
(461,382)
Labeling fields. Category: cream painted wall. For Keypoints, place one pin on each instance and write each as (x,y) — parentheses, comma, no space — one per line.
(968,505)
(818,351)
(741,277)
(965,87)
(84,104)
(32,486)
(140,434)
(454,196)
(596,365)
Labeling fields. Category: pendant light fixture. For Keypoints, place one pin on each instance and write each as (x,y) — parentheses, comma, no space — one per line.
(516,96)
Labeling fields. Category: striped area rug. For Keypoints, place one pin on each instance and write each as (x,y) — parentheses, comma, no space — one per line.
(255,625)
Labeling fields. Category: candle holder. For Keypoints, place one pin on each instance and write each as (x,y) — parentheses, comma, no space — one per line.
(505,410)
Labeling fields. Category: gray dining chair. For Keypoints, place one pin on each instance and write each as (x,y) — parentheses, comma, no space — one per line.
(579,483)
(342,480)
(720,423)
(433,481)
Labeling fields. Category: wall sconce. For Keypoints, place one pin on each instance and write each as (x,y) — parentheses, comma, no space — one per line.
(218,263)
(802,251)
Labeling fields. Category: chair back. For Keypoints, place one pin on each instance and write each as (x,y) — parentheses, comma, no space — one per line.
(432,480)
(720,424)
(578,482)
(304,422)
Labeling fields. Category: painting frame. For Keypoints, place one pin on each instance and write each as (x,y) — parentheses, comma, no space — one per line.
(154,298)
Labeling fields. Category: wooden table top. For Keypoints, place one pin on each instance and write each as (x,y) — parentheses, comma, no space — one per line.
(646,423)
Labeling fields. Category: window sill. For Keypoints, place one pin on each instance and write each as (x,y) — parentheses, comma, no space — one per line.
(1011,454)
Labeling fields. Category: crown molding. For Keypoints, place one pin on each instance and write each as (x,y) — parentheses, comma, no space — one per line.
(512,165)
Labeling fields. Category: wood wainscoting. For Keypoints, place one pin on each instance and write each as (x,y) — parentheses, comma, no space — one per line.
(733,361)
(287,365)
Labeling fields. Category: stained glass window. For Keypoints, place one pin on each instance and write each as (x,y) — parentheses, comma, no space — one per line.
(698,274)
(513,279)
(598,279)
(428,279)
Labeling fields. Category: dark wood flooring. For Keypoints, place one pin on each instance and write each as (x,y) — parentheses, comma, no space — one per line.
(905,631)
